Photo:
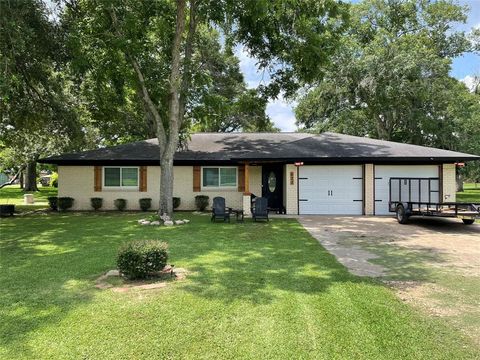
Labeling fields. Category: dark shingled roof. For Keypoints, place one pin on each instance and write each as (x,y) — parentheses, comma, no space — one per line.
(228,147)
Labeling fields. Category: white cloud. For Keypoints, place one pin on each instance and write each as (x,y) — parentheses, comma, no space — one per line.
(281,113)
(279,110)
(470,81)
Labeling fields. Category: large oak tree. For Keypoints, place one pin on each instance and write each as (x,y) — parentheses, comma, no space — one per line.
(158,40)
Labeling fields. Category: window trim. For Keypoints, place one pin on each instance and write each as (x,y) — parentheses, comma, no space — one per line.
(219,187)
(121,187)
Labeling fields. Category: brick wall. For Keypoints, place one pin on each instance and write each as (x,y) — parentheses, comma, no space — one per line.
(369,200)
(449,183)
(78,183)
(290,195)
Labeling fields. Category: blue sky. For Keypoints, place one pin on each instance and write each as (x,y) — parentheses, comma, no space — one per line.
(281,111)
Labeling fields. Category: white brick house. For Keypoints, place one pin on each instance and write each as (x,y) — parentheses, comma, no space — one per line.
(298,173)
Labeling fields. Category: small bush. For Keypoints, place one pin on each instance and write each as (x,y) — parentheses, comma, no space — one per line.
(201,202)
(139,259)
(145,204)
(120,204)
(176,202)
(96,203)
(65,203)
(54,180)
(53,202)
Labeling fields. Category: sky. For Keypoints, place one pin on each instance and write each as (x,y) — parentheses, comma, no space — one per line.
(281,112)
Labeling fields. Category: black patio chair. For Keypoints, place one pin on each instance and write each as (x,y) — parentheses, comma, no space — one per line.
(260,209)
(219,210)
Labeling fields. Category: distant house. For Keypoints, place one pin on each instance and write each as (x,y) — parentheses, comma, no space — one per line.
(297,172)
(3,178)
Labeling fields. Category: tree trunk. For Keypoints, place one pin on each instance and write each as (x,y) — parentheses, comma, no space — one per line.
(459,179)
(31,177)
(21,179)
(166,187)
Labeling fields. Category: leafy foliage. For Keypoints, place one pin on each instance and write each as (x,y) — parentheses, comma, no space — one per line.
(176,202)
(120,204)
(139,259)
(201,202)
(53,202)
(65,203)
(96,203)
(54,180)
(145,204)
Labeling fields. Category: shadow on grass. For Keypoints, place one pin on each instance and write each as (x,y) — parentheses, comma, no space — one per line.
(49,263)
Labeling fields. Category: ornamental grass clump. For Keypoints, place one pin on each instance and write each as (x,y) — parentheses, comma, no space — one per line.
(140,259)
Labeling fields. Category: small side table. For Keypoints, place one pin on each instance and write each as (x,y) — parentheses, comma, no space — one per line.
(238,214)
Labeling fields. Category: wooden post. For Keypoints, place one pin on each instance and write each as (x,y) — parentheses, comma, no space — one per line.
(247,179)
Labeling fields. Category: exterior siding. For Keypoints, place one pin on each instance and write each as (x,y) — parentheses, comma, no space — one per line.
(183,188)
(449,183)
(290,195)
(369,197)
(78,182)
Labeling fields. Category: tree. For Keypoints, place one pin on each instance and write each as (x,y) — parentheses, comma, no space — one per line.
(158,40)
(36,110)
(221,101)
(389,79)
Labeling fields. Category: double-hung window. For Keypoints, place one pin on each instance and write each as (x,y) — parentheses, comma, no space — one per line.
(219,177)
(120,177)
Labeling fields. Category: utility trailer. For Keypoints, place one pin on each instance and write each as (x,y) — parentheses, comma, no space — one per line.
(421,197)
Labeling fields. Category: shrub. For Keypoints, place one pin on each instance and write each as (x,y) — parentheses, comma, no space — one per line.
(201,202)
(140,258)
(120,204)
(53,202)
(176,202)
(96,203)
(145,204)
(54,180)
(65,203)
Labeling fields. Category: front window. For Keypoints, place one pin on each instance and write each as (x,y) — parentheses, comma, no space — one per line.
(120,177)
(219,177)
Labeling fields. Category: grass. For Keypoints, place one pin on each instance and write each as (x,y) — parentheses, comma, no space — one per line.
(14,195)
(254,291)
(452,293)
(470,194)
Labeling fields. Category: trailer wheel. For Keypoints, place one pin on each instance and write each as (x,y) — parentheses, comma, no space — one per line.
(402,216)
(468,221)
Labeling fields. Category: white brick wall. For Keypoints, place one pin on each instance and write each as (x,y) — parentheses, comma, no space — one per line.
(449,183)
(77,182)
(369,189)
(290,195)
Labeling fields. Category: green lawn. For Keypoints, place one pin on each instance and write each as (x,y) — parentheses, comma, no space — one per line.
(14,195)
(470,194)
(255,291)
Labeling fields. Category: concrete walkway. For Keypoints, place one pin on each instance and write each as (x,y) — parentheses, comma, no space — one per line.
(353,257)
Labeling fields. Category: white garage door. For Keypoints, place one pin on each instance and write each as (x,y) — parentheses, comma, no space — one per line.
(383,173)
(330,190)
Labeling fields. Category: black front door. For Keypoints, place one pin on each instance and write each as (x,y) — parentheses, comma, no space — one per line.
(272,185)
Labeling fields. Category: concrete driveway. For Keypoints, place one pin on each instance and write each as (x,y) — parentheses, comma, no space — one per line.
(458,242)
(431,263)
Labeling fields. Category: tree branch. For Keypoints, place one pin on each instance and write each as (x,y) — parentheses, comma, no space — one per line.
(187,60)
(145,95)
(12,180)
(176,80)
